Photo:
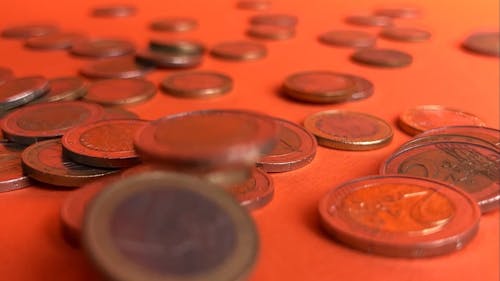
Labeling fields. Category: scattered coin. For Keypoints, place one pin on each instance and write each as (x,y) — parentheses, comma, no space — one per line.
(19,91)
(11,174)
(118,113)
(177,46)
(103,47)
(382,57)
(348,38)
(174,24)
(369,20)
(254,193)
(275,19)
(398,12)
(120,91)
(29,30)
(119,67)
(485,43)
(168,59)
(64,89)
(197,84)
(364,88)
(239,50)
(253,4)
(270,32)
(489,135)
(405,34)
(5,74)
(420,140)
(113,11)
(54,41)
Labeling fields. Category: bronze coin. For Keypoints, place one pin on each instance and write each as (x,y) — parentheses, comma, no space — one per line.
(419,140)
(42,121)
(253,4)
(105,144)
(369,20)
(348,38)
(364,88)
(177,46)
(44,161)
(407,34)
(174,24)
(382,57)
(470,167)
(275,19)
(118,113)
(239,50)
(113,11)
(399,12)
(425,117)
(296,148)
(29,30)
(103,47)
(120,91)
(168,59)
(64,89)
(11,174)
(55,41)
(197,84)
(485,43)
(5,74)
(271,32)
(400,216)
(19,91)
(119,67)
(254,193)
(348,130)
(489,135)
(128,222)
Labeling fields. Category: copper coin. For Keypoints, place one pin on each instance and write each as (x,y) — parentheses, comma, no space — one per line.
(485,43)
(29,30)
(120,91)
(168,59)
(296,148)
(207,138)
(271,32)
(349,130)
(420,140)
(398,12)
(348,38)
(64,89)
(405,34)
(400,216)
(174,24)
(253,4)
(489,135)
(118,113)
(177,46)
(128,230)
(54,41)
(239,50)
(5,74)
(19,91)
(103,47)
(369,20)
(120,67)
(44,161)
(425,117)
(275,19)
(254,193)
(42,121)
(382,57)
(197,84)
(11,174)
(113,11)
(364,88)
(105,144)
(471,167)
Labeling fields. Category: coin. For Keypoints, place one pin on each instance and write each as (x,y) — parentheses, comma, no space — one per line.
(270,32)
(254,193)
(471,167)
(420,140)
(398,12)
(118,67)
(102,47)
(348,38)
(296,148)
(382,57)
(54,41)
(29,30)
(64,89)
(348,130)
(18,91)
(41,121)
(408,34)
(253,4)
(132,219)
(197,84)
(364,88)
(120,91)
(400,216)
(168,59)
(11,174)
(5,74)
(425,117)
(485,43)
(177,46)
(174,24)
(104,144)
(113,11)
(284,20)
(45,162)
(239,50)
(118,113)
(369,20)
(489,135)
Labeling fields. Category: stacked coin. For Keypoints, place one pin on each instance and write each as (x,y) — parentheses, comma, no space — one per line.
(173,54)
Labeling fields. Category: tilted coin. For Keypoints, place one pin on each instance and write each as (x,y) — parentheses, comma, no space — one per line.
(19,91)
(119,67)
(239,50)
(275,19)
(120,91)
(11,173)
(348,38)
(420,140)
(369,20)
(177,46)
(490,135)
(5,74)
(174,24)
(399,12)
(405,34)
(113,11)
(102,47)
(270,32)
(64,89)
(254,193)
(29,30)
(168,59)
(382,57)
(253,4)
(197,84)
(55,41)
(485,43)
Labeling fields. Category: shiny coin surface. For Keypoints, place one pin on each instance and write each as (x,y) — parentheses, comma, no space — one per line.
(105,144)
(253,4)
(405,34)
(168,59)
(275,19)
(130,220)
(425,117)
(5,74)
(177,46)
(399,12)
(118,113)
(11,173)
(348,38)
(400,216)
(254,193)
(490,135)
(239,50)
(270,32)
(113,11)
(470,167)
(55,41)
(45,162)
(103,47)
(174,24)
(382,57)
(41,121)
(29,30)
(197,84)
(421,140)
(369,20)
(349,130)
(19,91)
(120,67)
(120,91)
(485,43)
(296,148)
(64,89)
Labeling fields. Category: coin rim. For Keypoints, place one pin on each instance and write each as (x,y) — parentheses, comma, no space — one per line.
(227,85)
(147,93)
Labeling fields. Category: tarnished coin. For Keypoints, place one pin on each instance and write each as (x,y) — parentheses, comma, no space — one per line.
(177,46)
(369,20)
(113,11)
(296,148)
(348,38)
(45,162)
(254,193)
(239,50)
(174,24)
(54,41)
(105,144)
(118,113)
(168,59)
(485,43)
(120,67)
(11,173)
(490,135)
(167,226)
(5,74)
(197,84)
(19,91)
(275,19)
(253,4)
(405,34)
(399,12)
(382,57)
(64,89)
(103,47)
(349,130)
(29,30)
(425,117)
(400,216)
(42,121)
(420,140)
(271,32)
(120,91)
(471,167)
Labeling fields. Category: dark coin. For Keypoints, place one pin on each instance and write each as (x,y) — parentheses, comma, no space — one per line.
(254,193)
(55,41)
(174,24)
(253,4)
(19,91)
(168,226)
(11,173)
(113,11)
(369,20)
(118,113)
(382,57)
(348,38)
(271,32)
(275,19)
(177,46)
(239,50)
(104,47)
(489,135)
(5,74)
(197,84)
(168,59)
(120,91)
(28,31)
(64,89)
(405,34)
(398,12)
(485,43)
(121,67)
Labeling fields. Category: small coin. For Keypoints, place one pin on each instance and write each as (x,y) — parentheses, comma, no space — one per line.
(174,24)
(275,19)
(113,11)
(11,174)
(103,47)
(5,74)
(400,216)
(364,88)
(425,117)
(64,89)
(489,135)
(197,84)
(296,148)
(44,161)
(348,38)
(271,32)
(19,91)
(382,57)
(177,46)
(54,41)
(120,91)
(485,43)
(118,113)
(168,59)
(29,30)
(253,4)
(119,67)
(42,121)
(348,130)
(254,193)
(470,167)
(369,20)
(239,50)
(420,140)
(399,12)
(130,220)
(405,34)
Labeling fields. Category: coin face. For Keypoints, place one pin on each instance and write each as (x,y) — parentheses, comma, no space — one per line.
(254,193)
(405,34)
(55,41)
(485,43)
(11,174)
(382,57)
(490,135)
(400,216)
(348,38)
(102,47)
(120,91)
(19,91)
(64,89)
(174,24)
(113,11)
(29,30)
(270,32)
(275,19)
(120,67)
(197,84)
(239,50)
(369,20)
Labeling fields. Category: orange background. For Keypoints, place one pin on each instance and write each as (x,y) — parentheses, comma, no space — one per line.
(293,246)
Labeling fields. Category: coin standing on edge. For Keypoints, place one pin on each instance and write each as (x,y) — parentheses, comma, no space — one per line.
(407,34)
(173,24)
(382,57)
(64,89)
(120,91)
(485,43)
(55,41)
(119,67)
(239,50)
(29,30)
(19,91)
(102,47)
(490,135)
(11,173)
(348,38)
(254,193)
(197,84)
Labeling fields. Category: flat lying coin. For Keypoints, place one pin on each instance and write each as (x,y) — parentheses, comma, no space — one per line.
(382,57)
(407,34)
(421,140)
(485,43)
(174,24)
(197,84)
(128,230)
(177,46)
(254,193)
(104,47)
(64,89)
(19,91)
(253,4)
(11,173)
(400,216)
(348,38)
(113,11)
(120,91)
(29,30)
(399,12)
(490,135)
(55,41)
(5,74)
(168,59)
(120,67)
(239,50)
(271,32)
(275,19)
(369,20)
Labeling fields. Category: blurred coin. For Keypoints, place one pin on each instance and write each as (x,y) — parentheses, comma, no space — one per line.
(284,20)
(19,91)
(168,59)
(5,74)
(254,193)
(239,50)
(54,41)
(118,113)
(253,4)
(420,140)
(103,47)
(271,32)
(364,88)
(64,89)
(382,57)
(174,24)
(405,34)
(348,38)
(177,46)
(400,216)
(485,43)
(399,12)
(369,20)
(11,174)
(114,11)
(120,67)
(197,84)
(29,30)
(490,135)
(120,91)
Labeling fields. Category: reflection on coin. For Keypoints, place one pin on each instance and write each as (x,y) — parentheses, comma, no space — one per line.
(120,67)
(296,148)
(29,30)
(55,41)
(490,135)
(405,34)
(174,24)
(44,162)
(382,57)
(5,74)
(118,113)
(398,12)
(420,140)
(19,91)
(424,117)
(197,84)
(254,193)
(128,230)
(369,20)
(485,43)
(270,32)
(253,4)
(471,167)
(113,11)
(11,174)
(349,130)
(275,19)
(168,59)
(239,50)
(120,91)
(400,216)
(177,46)
(103,47)
(348,38)
(64,89)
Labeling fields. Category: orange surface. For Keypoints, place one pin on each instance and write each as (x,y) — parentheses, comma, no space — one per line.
(293,245)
